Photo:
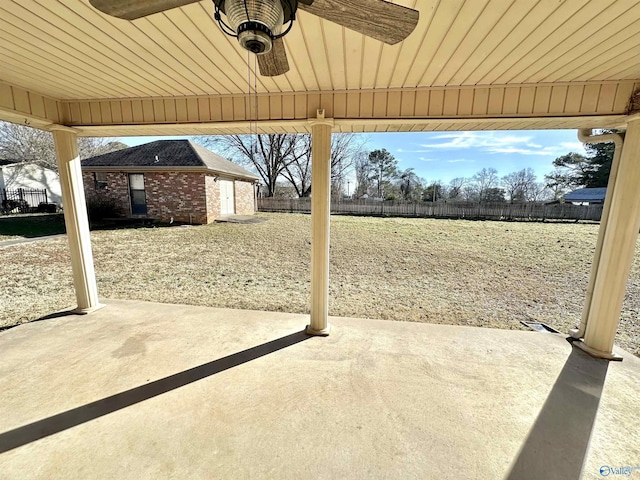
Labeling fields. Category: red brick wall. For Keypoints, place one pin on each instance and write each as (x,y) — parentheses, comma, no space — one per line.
(184,196)
(117,189)
(176,194)
(245,204)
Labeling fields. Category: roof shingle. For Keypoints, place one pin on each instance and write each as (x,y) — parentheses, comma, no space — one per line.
(168,153)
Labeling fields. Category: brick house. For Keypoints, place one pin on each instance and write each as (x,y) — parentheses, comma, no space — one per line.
(170,179)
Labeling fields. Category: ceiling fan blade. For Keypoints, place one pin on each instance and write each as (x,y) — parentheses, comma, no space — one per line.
(132,9)
(275,62)
(377,19)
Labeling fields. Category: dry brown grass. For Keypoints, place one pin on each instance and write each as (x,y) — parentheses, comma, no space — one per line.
(490,274)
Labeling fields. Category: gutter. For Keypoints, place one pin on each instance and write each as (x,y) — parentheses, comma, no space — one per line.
(181,169)
(585,135)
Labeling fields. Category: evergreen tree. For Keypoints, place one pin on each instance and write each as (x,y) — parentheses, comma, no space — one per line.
(600,158)
(574,170)
(385,167)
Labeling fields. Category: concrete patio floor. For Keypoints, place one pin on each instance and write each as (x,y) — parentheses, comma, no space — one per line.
(143,390)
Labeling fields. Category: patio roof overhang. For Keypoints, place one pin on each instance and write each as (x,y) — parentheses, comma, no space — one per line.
(485,65)
(469,65)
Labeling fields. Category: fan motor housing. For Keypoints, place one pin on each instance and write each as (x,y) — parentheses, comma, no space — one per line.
(262,23)
(255,37)
(289,13)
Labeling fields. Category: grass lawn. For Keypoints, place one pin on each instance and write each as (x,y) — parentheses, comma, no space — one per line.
(31,225)
(490,274)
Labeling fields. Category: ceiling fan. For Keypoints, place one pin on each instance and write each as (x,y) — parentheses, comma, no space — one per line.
(259,25)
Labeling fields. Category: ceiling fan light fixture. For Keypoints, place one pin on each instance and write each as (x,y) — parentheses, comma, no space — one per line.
(255,22)
(260,25)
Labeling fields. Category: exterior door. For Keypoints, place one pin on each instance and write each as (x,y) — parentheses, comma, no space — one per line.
(227,203)
(137,194)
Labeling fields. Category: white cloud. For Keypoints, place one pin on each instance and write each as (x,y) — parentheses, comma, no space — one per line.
(521,151)
(460,160)
(498,143)
(479,140)
(402,150)
(573,146)
(424,159)
(447,135)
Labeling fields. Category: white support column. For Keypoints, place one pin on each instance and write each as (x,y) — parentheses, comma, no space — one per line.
(586,136)
(320,218)
(75,219)
(618,246)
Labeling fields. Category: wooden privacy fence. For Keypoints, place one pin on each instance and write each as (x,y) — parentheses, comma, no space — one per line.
(471,211)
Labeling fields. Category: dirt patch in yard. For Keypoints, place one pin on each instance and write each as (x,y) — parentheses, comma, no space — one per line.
(491,274)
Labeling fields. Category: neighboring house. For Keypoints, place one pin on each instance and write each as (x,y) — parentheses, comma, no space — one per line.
(16,175)
(586,196)
(170,179)
(366,196)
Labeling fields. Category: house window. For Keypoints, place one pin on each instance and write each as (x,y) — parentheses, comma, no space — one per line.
(137,194)
(100,180)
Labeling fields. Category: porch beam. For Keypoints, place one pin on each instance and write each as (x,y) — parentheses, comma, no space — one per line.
(620,232)
(541,100)
(320,220)
(355,125)
(76,220)
(24,107)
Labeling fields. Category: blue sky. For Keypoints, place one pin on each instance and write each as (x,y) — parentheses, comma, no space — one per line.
(446,155)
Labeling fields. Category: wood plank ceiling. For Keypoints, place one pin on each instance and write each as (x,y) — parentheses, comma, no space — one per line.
(467,59)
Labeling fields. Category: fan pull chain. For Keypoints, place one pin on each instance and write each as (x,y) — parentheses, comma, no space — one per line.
(255,93)
(248,104)
(252,110)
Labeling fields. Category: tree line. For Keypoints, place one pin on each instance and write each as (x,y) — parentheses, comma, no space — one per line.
(283,162)
(378,176)
(29,145)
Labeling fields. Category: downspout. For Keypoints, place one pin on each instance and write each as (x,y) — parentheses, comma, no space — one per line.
(256,187)
(586,136)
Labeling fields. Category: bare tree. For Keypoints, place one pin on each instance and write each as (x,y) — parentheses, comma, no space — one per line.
(470,193)
(512,184)
(268,154)
(25,144)
(30,145)
(520,186)
(484,181)
(92,146)
(455,188)
(298,171)
(364,173)
(539,192)
(285,156)
(345,148)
